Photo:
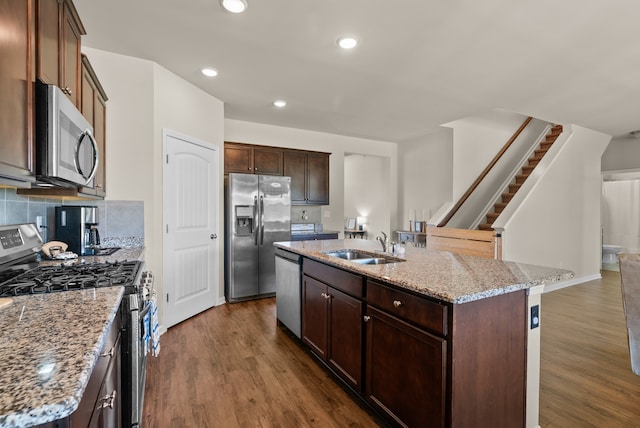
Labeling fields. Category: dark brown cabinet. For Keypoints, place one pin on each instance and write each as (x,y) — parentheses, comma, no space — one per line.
(100,405)
(58,48)
(17,81)
(403,360)
(250,159)
(332,319)
(309,172)
(93,107)
(422,362)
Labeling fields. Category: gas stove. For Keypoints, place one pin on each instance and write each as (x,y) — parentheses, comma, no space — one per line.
(20,272)
(50,279)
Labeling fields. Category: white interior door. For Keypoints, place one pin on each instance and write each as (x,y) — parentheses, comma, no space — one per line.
(190,178)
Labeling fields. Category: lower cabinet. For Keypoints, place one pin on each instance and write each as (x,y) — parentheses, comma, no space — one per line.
(405,371)
(100,404)
(332,327)
(417,361)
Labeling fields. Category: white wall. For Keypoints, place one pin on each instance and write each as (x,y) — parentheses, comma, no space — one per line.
(558,222)
(144,98)
(334,213)
(623,153)
(477,140)
(366,192)
(425,181)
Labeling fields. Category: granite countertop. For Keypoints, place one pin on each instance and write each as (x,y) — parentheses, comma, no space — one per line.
(49,346)
(123,254)
(442,275)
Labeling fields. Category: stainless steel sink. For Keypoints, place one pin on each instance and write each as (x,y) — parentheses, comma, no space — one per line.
(364,257)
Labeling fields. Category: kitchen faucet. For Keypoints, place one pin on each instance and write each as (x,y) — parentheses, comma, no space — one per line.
(383,241)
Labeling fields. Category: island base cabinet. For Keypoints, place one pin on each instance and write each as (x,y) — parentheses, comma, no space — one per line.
(332,327)
(405,371)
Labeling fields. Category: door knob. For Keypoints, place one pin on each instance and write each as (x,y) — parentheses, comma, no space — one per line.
(213,236)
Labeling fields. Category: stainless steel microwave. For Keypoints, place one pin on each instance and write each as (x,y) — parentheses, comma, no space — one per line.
(66,152)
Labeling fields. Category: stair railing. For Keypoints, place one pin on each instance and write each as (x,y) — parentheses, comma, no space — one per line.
(484,173)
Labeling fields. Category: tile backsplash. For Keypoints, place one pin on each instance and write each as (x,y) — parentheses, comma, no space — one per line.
(121,223)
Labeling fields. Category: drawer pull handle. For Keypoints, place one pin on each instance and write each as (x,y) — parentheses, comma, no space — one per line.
(397,303)
(108,354)
(109,400)
(325,295)
(367,318)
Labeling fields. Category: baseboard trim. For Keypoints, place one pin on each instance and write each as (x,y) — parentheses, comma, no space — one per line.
(570,282)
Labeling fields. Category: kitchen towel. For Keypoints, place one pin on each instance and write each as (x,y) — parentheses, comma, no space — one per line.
(155,327)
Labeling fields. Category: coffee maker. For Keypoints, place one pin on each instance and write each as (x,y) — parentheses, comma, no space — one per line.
(77,226)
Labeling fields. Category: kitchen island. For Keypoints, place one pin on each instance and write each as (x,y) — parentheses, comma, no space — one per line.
(50,346)
(434,339)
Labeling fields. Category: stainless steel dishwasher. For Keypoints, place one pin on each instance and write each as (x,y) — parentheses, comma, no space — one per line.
(288,290)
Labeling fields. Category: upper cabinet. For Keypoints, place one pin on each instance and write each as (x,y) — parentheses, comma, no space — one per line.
(309,172)
(93,107)
(249,159)
(17,81)
(58,47)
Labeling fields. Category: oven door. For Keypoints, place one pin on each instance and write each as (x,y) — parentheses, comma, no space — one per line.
(135,355)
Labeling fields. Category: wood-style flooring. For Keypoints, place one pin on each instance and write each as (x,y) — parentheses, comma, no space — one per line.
(586,378)
(232,366)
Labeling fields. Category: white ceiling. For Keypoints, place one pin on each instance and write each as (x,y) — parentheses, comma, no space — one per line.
(424,64)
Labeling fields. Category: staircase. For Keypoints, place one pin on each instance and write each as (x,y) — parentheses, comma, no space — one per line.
(551,137)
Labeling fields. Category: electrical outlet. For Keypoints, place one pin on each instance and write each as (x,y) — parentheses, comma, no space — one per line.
(39,223)
(535,316)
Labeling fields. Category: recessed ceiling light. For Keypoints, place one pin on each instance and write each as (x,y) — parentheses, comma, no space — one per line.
(279,103)
(234,6)
(347,42)
(209,72)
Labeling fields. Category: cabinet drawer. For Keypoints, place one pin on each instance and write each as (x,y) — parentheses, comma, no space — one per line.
(337,278)
(417,310)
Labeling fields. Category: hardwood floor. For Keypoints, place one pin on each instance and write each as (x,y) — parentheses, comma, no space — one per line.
(232,366)
(586,378)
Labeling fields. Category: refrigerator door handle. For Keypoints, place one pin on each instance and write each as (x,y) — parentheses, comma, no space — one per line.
(255,220)
(261,220)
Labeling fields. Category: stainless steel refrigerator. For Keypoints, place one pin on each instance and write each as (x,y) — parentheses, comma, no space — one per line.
(257,214)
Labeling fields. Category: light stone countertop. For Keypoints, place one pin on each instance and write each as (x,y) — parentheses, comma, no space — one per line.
(442,275)
(49,346)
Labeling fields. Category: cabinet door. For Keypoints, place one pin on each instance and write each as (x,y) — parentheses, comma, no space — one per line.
(17,77)
(238,159)
(405,371)
(315,302)
(93,108)
(48,56)
(107,410)
(345,337)
(318,179)
(295,166)
(100,134)
(70,82)
(267,161)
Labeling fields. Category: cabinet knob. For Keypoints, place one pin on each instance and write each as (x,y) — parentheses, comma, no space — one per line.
(108,353)
(397,303)
(249,168)
(109,400)
(213,236)
(366,318)
(325,295)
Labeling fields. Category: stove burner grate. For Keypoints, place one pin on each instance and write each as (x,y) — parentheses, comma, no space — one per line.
(50,279)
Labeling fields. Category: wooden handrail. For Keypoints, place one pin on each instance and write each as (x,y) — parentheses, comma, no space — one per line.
(484,173)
